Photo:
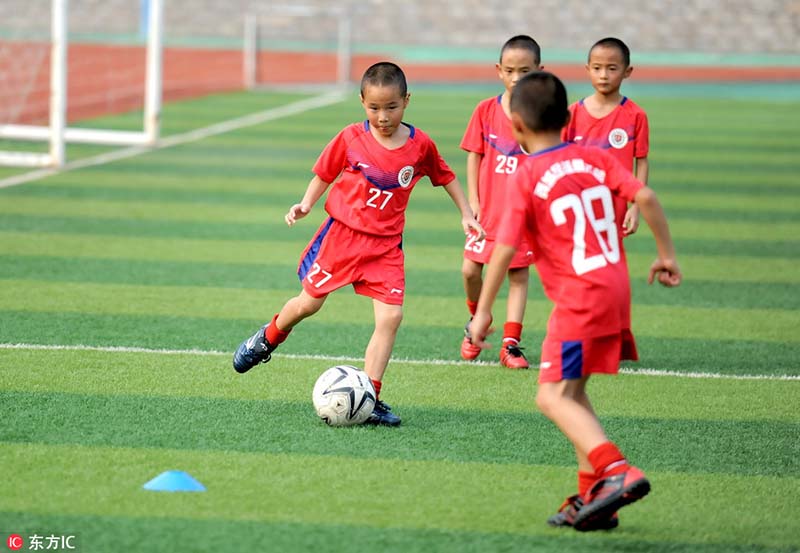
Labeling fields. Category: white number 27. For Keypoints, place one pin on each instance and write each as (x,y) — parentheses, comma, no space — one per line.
(583,210)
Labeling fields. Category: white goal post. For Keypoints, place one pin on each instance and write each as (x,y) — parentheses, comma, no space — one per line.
(267,28)
(56,132)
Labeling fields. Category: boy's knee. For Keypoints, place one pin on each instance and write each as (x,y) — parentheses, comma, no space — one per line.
(471,271)
(545,399)
(390,319)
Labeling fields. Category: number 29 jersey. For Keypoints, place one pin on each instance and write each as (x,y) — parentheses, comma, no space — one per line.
(561,199)
(375,183)
(489,134)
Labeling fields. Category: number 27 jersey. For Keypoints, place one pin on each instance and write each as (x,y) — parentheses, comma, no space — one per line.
(375,183)
(562,200)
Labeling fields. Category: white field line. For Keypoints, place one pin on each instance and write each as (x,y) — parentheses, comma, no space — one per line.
(183,138)
(337,359)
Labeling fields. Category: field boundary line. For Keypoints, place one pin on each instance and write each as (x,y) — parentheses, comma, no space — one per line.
(223,127)
(333,358)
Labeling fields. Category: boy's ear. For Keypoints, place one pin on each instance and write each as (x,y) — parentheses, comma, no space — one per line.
(516,122)
(627,72)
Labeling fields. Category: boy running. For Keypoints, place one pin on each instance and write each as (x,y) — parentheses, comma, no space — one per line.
(611,121)
(374,166)
(493,156)
(562,200)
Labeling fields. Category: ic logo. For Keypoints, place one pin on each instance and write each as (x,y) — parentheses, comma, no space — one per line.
(15,542)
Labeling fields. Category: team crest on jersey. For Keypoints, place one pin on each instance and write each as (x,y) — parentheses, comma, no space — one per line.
(618,138)
(405,175)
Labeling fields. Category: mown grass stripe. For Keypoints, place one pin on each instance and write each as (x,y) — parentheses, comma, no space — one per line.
(445,283)
(776,211)
(736,356)
(476,498)
(449,384)
(277,231)
(764,448)
(146,535)
(701,267)
(773,325)
(689,228)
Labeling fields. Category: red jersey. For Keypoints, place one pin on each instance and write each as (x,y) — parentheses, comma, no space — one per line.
(624,132)
(561,199)
(373,190)
(489,134)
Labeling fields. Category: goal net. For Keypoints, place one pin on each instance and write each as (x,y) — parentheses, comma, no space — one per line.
(64,61)
(297,45)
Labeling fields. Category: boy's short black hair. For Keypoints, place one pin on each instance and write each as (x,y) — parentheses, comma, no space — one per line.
(385,73)
(613,42)
(523,42)
(540,99)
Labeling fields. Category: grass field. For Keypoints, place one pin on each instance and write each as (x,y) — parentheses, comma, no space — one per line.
(125,287)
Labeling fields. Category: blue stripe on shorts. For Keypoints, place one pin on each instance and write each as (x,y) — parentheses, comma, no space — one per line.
(311,255)
(571,359)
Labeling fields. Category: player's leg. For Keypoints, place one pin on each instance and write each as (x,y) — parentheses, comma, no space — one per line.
(259,347)
(471,271)
(562,397)
(387,321)
(511,355)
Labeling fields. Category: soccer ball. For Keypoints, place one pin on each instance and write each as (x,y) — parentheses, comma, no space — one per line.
(344,396)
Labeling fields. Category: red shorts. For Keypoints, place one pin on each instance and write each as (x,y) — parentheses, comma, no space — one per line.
(338,256)
(573,359)
(481,251)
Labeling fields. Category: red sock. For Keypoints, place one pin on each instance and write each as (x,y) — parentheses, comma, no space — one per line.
(377,384)
(275,335)
(585,481)
(512,332)
(607,460)
(472,306)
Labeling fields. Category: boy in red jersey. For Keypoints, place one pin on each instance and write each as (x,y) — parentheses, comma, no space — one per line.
(377,163)
(611,121)
(561,199)
(492,158)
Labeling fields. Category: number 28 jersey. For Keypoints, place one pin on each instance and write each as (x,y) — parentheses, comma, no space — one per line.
(373,190)
(561,199)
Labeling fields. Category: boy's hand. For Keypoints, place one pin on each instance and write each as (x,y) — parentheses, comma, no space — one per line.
(631,222)
(297,211)
(667,272)
(472,226)
(479,329)
(476,210)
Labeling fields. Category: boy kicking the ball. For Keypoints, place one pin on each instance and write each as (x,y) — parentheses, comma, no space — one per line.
(562,200)
(373,166)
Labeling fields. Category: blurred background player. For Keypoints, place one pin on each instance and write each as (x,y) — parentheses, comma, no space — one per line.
(492,157)
(562,200)
(611,121)
(377,163)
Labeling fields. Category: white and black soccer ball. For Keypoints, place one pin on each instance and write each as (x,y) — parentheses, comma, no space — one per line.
(344,396)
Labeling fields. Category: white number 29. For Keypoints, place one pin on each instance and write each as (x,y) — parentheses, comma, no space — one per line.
(583,210)
(505,164)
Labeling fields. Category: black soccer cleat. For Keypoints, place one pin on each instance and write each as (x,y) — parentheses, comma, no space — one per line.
(565,517)
(610,494)
(253,351)
(382,415)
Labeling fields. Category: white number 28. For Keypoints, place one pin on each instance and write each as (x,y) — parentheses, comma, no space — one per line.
(582,208)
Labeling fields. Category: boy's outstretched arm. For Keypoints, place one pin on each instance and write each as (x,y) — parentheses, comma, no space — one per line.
(473,170)
(468,221)
(495,274)
(665,267)
(316,188)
